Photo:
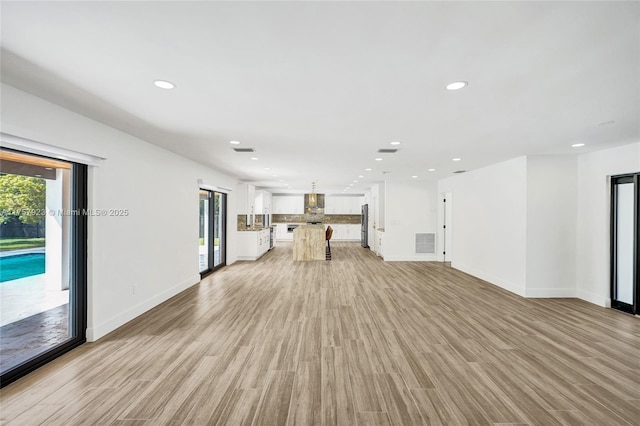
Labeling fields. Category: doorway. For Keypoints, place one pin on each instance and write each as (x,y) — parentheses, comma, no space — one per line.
(43,260)
(625,284)
(213,231)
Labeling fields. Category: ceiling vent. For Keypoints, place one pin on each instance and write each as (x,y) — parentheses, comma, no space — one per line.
(388,150)
(460,171)
(244,150)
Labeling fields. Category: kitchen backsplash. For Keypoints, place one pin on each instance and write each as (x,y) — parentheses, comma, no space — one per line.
(346,219)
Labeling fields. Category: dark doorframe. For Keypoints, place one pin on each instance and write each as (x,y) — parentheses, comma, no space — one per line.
(213,228)
(625,243)
(77,279)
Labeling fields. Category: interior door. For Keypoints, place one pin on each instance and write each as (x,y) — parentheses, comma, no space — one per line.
(625,287)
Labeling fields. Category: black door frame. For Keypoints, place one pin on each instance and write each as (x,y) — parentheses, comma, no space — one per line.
(616,304)
(223,229)
(78,278)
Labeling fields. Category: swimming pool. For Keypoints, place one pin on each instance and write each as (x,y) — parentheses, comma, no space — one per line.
(20,266)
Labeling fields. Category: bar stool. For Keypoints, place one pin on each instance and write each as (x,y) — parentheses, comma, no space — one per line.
(328,236)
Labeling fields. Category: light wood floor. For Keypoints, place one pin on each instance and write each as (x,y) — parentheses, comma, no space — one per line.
(350,341)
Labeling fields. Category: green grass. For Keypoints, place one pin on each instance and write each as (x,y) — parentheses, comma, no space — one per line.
(7,244)
(216,241)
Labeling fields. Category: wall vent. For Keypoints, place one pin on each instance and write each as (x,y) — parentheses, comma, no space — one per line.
(243,149)
(425,243)
(460,171)
(388,150)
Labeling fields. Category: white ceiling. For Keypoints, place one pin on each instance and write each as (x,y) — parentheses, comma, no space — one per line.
(317,87)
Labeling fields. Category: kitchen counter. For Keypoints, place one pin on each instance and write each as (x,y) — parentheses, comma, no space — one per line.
(308,243)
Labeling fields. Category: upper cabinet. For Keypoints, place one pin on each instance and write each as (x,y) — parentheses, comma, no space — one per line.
(343,205)
(246,198)
(288,204)
(263,201)
(294,204)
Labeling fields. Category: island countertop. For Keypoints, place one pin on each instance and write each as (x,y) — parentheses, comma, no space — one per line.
(308,242)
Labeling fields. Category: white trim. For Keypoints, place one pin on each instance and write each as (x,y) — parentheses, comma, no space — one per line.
(39,148)
(491,279)
(591,297)
(106,327)
(543,293)
(203,185)
(410,258)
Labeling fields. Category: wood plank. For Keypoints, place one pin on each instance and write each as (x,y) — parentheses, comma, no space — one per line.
(352,341)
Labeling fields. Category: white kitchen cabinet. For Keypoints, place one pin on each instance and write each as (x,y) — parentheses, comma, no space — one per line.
(262,202)
(246,198)
(380,243)
(288,204)
(282,234)
(252,244)
(343,205)
(343,232)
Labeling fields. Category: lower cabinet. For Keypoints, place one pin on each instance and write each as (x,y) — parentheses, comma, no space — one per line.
(282,234)
(345,232)
(253,244)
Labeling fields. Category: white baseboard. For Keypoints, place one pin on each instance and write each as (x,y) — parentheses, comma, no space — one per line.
(604,301)
(411,258)
(551,292)
(106,327)
(502,283)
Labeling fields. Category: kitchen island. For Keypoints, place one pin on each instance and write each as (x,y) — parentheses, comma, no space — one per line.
(308,243)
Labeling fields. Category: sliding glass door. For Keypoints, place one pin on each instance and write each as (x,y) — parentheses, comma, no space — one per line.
(42,260)
(213,235)
(625,286)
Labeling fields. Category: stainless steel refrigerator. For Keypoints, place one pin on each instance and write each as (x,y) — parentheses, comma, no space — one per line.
(364,226)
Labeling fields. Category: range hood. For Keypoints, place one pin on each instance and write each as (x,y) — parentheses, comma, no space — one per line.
(314,203)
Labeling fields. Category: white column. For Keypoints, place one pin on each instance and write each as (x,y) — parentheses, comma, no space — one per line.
(57,234)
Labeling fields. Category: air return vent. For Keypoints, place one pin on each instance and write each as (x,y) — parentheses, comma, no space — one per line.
(387,150)
(425,243)
(243,149)
(460,171)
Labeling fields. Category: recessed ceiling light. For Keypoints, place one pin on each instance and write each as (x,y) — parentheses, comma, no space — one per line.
(274,175)
(367,169)
(414,176)
(267,168)
(378,159)
(456,85)
(163,84)
(350,184)
(456,159)
(254,158)
(48,168)
(355,181)
(361,176)
(38,175)
(281,180)
(395,143)
(234,142)
(577,145)
(432,170)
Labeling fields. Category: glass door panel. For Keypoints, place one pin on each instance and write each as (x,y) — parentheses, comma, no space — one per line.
(624,244)
(212,244)
(219,258)
(42,260)
(204,237)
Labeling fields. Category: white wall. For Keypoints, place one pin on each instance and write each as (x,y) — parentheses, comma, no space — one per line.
(593,232)
(410,208)
(155,248)
(490,223)
(551,226)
